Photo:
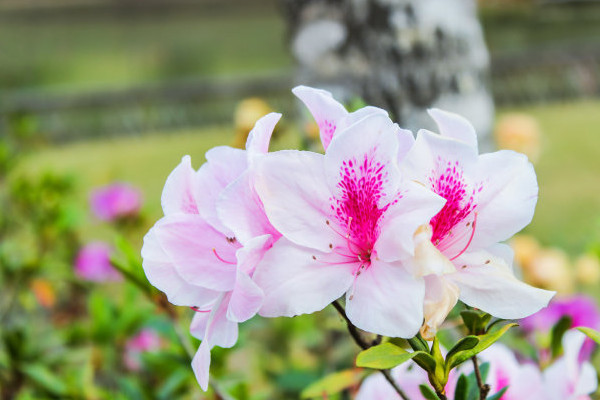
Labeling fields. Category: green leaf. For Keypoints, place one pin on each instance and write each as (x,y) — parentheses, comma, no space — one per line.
(485,341)
(466,343)
(425,361)
(384,356)
(462,388)
(45,378)
(591,333)
(418,343)
(332,384)
(475,321)
(558,331)
(428,392)
(498,395)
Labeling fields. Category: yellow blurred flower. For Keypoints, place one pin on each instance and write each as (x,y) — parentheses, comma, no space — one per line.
(519,132)
(587,269)
(43,292)
(526,248)
(550,269)
(247,112)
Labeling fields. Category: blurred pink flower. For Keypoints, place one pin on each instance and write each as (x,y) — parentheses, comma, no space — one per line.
(115,201)
(581,308)
(93,263)
(146,340)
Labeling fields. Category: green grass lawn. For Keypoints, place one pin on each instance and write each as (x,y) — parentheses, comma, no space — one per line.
(568,212)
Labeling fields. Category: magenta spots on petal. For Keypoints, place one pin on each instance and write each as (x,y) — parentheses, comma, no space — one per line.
(327,129)
(357,208)
(447,180)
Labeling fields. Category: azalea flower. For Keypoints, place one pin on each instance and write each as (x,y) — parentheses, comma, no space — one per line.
(568,378)
(489,198)
(523,380)
(115,201)
(347,220)
(147,340)
(93,263)
(203,252)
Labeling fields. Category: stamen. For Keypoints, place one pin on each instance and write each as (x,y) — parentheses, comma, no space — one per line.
(221,259)
(199,310)
(470,238)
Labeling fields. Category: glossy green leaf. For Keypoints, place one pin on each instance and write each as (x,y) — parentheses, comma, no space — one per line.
(591,333)
(428,392)
(475,320)
(497,396)
(466,343)
(462,388)
(485,341)
(333,383)
(384,356)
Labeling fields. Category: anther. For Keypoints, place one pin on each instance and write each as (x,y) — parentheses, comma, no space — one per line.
(314,257)
(487,261)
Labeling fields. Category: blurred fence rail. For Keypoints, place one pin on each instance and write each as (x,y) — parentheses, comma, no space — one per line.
(517,79)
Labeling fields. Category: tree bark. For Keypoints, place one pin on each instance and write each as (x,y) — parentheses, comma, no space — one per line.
(402,55)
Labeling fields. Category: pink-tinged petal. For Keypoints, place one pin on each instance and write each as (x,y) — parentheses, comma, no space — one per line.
(454,126)
(200,322)
(178,195)
(415,208)
(252,252)
(161,273)
(246,298)
(406,140)
(201,365)
(386,300)
(218,330)
(365,156)
(201,255)
(429,157)
(260,136)
(223,166)
(326,111)
(507,199)
(488,283)
(296,283)
(291,185)
(240,210)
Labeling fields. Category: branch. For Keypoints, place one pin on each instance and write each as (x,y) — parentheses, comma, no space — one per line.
(360,341)
(484,388)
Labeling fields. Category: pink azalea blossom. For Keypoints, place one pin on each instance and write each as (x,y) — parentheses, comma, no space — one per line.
(348,219)
(524,380)
(489,198)
(93,263)
(147,340)
(203,252)
(115,201)
(568,378)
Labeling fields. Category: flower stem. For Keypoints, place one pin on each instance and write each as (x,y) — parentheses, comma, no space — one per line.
(362,343)
(484,388)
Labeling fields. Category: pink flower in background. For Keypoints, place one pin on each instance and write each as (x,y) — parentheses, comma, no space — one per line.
(348,220)
(115,201)
(570,377)
(93,263)
(489,198)
(203,252)
(147,340)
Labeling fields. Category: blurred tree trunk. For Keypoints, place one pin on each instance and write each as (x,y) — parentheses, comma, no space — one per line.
(401,55)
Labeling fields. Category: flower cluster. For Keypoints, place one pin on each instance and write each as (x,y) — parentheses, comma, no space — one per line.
(403,227)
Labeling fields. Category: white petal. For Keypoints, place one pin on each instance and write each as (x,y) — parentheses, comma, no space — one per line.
(260,136)
(162,274)
(488,283)
(240,210)
(201,365)
(507,199)
(454,126)
(326,111)
(246,298)
(292,188)
(428,259)
(386,300)
(415,208)
(178,194)
(294,283)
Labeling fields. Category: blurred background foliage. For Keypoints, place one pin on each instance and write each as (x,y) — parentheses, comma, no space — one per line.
(98,91)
